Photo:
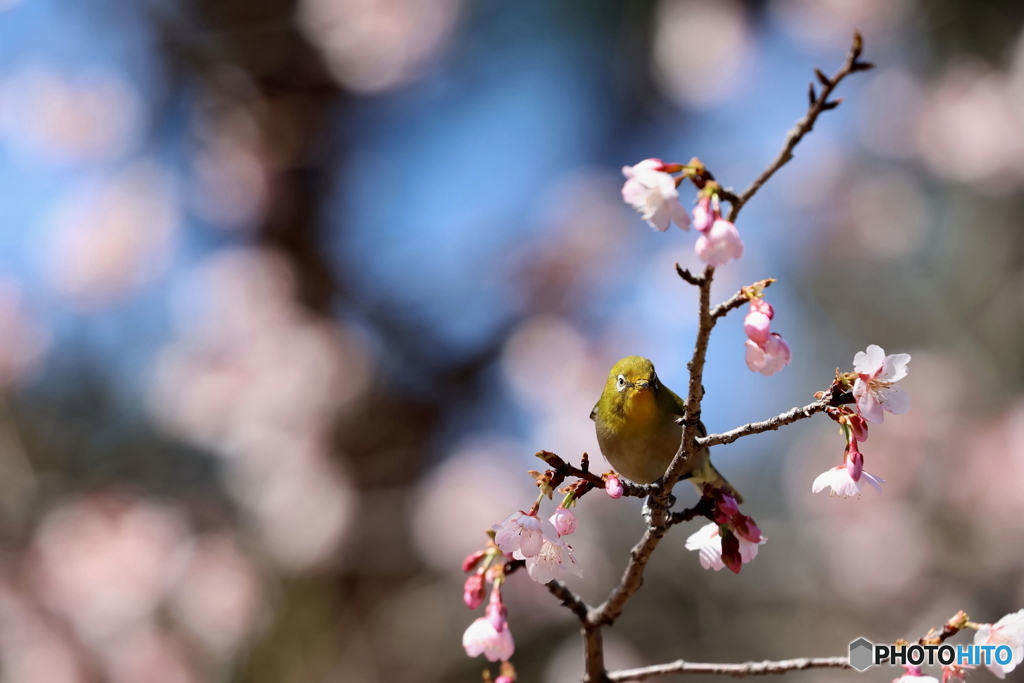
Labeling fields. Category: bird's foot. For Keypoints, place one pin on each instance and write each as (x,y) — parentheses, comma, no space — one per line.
(649,504)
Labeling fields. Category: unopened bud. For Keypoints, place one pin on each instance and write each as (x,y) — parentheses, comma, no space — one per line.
(565,522)
(471,561)
(473,591)
(612,486)
(731,557)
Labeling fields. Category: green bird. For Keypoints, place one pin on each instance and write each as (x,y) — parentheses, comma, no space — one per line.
(637,430)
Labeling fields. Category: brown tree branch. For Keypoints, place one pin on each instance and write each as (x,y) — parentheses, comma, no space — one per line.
(771,424)
(569,599)
(806,124)
(765,668)
(593,655)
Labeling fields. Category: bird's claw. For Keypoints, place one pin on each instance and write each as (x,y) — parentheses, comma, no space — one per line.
(648,509)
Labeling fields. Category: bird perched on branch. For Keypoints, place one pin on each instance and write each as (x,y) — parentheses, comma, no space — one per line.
(638,432)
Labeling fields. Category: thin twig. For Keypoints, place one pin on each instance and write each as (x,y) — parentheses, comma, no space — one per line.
(632,577)
(738,299)
(766,668)
(773,423)
(806,124)
(566,469)
(574,602)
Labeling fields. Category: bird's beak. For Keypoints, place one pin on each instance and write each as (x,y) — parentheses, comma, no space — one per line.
(642,384)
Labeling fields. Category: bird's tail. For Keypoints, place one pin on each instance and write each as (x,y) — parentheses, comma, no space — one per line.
(705,473)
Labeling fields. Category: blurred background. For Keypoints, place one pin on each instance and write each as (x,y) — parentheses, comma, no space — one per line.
(292,290)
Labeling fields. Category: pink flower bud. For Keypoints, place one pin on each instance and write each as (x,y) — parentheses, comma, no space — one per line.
(777,347)
(726,503)
(503,679)
(746,528)
(703,214)
(471,561)
(720,244)
(859,426)
(565,522)
(495,612)
(757,325)
(854,462)
(731,557)
(473,591)
(612,486)
(762,306)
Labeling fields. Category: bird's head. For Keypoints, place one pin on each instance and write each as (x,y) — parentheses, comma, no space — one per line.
(632,385)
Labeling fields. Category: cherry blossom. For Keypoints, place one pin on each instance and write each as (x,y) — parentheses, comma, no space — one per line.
(1007,631)
(564,521)
(955,672)
(874,388)
(524,532)
(770,357)
(652,192)
(914,675)
(708,543)
(554,561)
(482,638)
(720,244)
(847,479)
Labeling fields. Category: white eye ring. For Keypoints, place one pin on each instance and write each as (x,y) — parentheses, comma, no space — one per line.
(654,381)
(621,383)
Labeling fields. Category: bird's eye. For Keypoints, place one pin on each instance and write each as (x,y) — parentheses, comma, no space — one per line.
(654,381)
(621,383)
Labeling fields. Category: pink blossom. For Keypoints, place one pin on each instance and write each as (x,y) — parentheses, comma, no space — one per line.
(842,483)
(481,638)
(504,679)
(524,532)
(914,675)
(1007,631)
(874,388)
(554,561)
(708,543)
(770,357)
(612,486)
(565,522)
(746,528)
(757,325)
(954,672)
(705,213)
(652,192)
(473,591)
(720,244)
(859,426)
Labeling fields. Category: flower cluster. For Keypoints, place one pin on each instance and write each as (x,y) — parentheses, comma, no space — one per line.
(652,190)
(538,542)
(731,540)
(872,387)
(488,635)
(767,352)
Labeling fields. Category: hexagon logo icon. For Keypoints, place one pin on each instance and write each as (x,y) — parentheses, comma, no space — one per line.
(860,654)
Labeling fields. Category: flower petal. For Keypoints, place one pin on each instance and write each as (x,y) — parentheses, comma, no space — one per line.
(894,367)
(897,401)
(869,362)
